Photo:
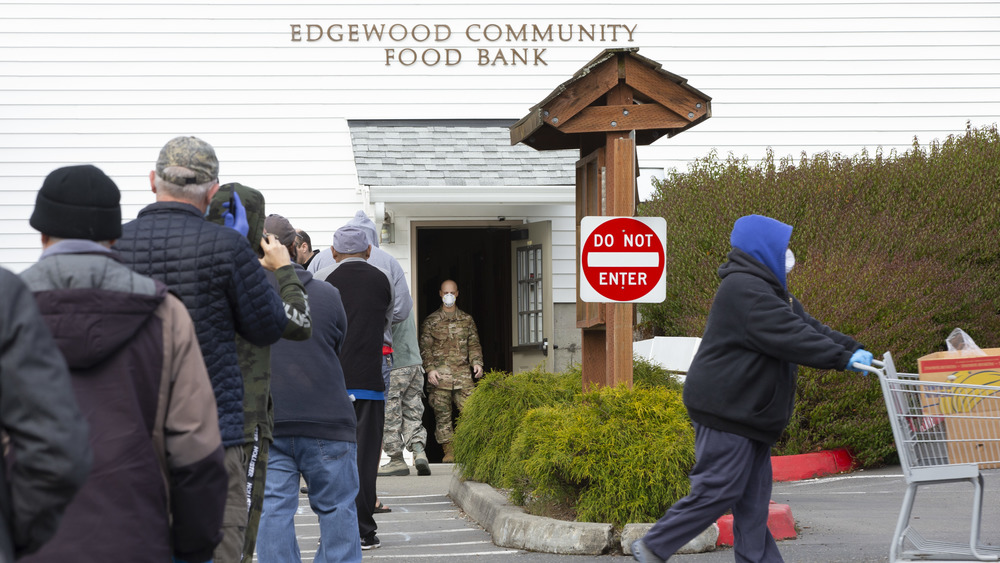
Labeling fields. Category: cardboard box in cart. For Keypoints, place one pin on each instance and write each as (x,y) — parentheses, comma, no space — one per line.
(971,415)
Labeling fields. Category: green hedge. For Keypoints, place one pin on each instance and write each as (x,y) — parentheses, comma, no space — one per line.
(618,455)
(492,415)
(895,250)
(605,455)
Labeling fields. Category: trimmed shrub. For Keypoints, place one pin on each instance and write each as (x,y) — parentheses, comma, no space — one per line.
(486,428)
(619,455)
(894,250)
(608,455)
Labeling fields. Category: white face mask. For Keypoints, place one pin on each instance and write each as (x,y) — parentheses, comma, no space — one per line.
(789,260)
(448,299)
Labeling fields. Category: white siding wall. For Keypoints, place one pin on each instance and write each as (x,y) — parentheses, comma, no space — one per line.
(109,82)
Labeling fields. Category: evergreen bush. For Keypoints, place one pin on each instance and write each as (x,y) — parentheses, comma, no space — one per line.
(607,455)
(617,455)
(895,250)
(492,415)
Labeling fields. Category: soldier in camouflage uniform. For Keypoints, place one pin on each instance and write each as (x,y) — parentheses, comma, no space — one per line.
(449,346)
(404,407)
(255,361)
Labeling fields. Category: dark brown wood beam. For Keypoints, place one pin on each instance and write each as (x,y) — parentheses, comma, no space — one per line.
(658,87)
(623,118)
(581,94)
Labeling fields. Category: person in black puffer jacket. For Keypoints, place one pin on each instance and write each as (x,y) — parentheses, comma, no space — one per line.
(740,393)
(220,279)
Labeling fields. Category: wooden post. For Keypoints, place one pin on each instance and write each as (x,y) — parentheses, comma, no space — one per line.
(621,175)
(594,356)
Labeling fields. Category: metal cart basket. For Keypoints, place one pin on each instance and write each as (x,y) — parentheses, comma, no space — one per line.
(945,432)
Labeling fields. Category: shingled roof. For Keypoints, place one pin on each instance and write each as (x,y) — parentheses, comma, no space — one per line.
(453,153)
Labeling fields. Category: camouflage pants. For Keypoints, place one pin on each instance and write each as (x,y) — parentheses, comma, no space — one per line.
(441,401)
(404,411)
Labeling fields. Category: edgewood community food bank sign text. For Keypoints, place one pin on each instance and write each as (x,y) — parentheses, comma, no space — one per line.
(483,36)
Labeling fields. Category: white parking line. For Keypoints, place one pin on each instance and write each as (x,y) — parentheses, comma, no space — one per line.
(380,534)
(841,478)
(412,496)
(440,555)
(410,521)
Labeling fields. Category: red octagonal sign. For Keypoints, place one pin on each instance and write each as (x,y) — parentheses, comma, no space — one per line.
(622,259)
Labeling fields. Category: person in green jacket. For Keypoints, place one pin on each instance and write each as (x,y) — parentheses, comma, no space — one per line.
(247,205)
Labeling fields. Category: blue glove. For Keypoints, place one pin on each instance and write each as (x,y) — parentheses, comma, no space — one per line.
(860,356)
(235,218)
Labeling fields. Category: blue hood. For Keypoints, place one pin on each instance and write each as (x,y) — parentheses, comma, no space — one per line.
(765,239)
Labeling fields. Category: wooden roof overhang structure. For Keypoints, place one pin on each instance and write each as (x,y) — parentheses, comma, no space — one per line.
(577,115)
(616,102)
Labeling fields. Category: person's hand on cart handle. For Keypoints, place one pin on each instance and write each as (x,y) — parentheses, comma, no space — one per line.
(860,356)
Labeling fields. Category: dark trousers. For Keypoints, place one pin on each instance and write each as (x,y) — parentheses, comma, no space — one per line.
(256,468)
(730,472)
(371,420)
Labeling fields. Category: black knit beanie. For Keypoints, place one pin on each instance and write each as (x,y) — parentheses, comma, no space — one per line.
(78,202)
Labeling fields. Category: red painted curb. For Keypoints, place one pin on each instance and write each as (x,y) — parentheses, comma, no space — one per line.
(807,466)
(779,522)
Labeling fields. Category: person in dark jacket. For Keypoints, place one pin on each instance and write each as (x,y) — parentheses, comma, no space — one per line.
(139,378)
(45,448)
(368,299)
(221,282)
(314,434)
(740,393)
(255,361)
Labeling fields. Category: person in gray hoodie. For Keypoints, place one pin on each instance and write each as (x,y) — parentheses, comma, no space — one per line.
(404,406)
(323,264)
(402,370)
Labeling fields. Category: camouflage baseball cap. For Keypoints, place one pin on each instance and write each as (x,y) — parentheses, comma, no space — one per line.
(191,153)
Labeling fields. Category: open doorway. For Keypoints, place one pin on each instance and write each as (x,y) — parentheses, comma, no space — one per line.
(478,260)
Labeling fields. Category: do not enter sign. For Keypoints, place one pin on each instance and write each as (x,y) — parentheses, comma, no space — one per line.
(622,259)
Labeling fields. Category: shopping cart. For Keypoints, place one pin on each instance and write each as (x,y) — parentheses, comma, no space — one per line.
(945,432)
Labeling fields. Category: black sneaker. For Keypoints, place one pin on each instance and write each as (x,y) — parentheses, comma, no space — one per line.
(304,490)
(370,541)
(642,553)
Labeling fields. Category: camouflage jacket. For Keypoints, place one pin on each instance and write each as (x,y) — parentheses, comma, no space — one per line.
(449,343)
(255,361)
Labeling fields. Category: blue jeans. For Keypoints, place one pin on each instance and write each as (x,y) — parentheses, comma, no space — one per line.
(331,473)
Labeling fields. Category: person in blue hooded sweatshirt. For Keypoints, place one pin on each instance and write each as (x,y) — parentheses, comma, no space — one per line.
(740,393)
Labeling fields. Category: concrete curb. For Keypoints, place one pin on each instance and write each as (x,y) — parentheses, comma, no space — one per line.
(511,527)
(807,466)
(705,541)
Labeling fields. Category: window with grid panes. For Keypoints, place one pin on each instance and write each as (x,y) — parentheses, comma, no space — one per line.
(529,295)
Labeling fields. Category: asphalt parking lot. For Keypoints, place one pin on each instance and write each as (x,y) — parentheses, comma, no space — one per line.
(841,518)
